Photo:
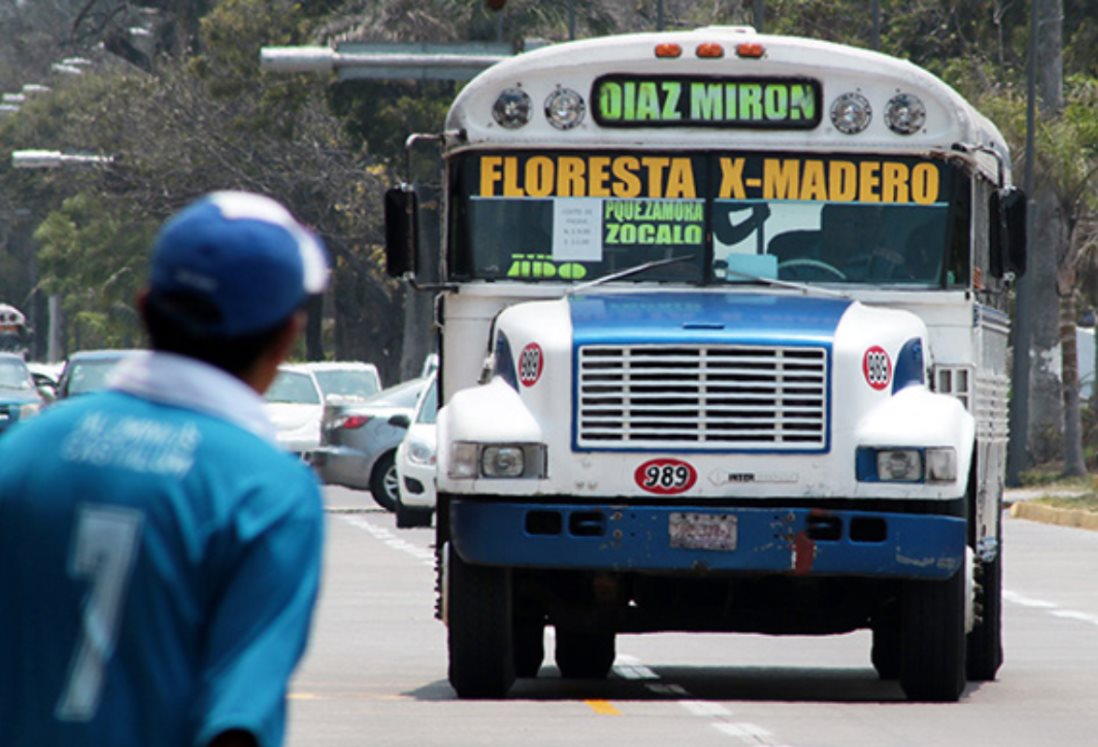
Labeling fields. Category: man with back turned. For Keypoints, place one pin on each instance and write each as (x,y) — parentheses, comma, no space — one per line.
(159,555)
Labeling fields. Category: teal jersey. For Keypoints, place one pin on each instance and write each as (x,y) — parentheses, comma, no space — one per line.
(158,571)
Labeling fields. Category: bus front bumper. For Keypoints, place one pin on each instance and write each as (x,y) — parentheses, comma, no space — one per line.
(697,539)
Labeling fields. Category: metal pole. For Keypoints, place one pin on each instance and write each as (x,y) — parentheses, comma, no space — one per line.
(571,20)
(875,37)
(53,338)
(1017,446)
(759,13)
(659,15)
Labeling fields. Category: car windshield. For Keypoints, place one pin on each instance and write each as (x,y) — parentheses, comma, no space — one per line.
(728,216)
(293,387)
(428,404)
(347,382)
(14,375)
(90,375)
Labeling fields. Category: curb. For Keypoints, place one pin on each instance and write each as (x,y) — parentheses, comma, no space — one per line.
(1065,517)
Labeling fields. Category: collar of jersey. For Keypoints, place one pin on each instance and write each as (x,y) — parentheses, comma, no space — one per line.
(185,382)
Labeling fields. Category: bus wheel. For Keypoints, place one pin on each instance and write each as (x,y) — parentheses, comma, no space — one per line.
(586,656)
(985,643)
(885,653)
(932,630)
(479,633)
(529,646)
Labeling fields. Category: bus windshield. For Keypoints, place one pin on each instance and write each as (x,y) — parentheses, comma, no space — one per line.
(732,217)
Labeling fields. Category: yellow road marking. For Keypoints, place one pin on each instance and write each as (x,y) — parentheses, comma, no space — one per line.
(602,707)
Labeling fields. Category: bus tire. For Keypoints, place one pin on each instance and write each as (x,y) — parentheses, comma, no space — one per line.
(479,631)
(932,635)
(885,653)
(985,642)
(584,656)
(529,647)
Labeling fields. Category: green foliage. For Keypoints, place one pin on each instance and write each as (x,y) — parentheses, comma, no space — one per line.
(94,258)
(207,118)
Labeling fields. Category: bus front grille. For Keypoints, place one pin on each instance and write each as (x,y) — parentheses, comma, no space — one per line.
(729,397)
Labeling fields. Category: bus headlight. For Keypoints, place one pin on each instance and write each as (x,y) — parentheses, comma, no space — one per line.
(496,461)
(906,464)
(564,108)
(899,465)
(512,108)
(941,465)
(502,461)
(905,114)
(28,411)
(851,113)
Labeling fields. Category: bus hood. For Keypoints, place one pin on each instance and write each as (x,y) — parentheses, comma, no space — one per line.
(676,317)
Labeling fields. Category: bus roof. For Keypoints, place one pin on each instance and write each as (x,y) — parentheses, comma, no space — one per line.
(839,69)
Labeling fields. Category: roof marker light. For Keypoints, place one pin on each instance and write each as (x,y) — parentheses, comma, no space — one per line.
(512,108)
(905,114)
(851,113)
(668,50)
(709,50)
(564,108)
(750,50)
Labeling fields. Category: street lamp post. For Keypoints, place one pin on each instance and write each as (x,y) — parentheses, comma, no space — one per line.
(460,61)
(51,159)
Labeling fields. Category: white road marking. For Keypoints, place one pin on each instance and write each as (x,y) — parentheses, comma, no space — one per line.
(1017,598)
(1053,609)
(705,708)
(635,672)
(1073,615)
(390,540)
(625,666)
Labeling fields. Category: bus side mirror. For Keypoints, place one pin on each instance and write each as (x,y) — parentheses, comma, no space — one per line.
(401,236)
(1007,237)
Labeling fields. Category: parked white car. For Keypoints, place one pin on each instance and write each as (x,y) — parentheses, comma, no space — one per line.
(295,405)
(345,381)
(415,464)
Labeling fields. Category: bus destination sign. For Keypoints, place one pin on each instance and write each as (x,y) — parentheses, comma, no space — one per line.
(706,101)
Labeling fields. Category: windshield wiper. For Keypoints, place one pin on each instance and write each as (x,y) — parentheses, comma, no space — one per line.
(627,272)
(804,288)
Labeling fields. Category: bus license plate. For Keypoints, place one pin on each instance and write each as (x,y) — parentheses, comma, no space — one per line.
(697,531)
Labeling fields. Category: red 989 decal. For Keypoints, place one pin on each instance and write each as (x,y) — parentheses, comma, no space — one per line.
(665,476)
(530,364)
(877,367)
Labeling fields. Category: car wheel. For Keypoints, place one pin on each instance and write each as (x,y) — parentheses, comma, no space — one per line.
(384,483)
(479,629)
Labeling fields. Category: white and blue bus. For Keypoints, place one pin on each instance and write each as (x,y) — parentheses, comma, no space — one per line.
(14,333)
(723,331)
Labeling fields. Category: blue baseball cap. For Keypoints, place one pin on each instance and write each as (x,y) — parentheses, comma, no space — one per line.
(243,255)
